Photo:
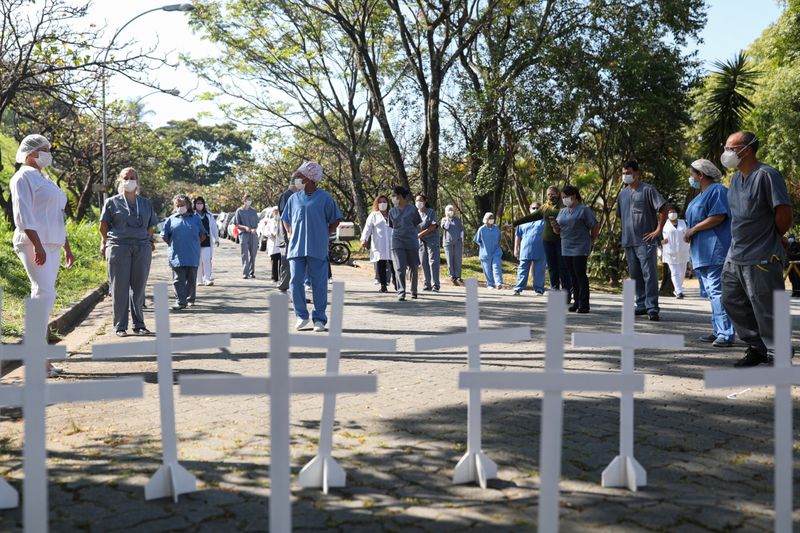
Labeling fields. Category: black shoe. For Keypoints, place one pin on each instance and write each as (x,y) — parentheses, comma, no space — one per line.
(752,357)
(413,296)
(436,289)
(707,338)
(383,288)
(426,289)
(583,311)
(572,308)
(401,298)
(640,312)
(252,276)
(653,316)
(679,296)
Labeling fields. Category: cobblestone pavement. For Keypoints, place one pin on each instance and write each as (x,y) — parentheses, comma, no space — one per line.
(709,458)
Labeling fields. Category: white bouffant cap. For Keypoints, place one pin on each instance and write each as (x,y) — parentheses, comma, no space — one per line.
(311,170)
(31,143)
(707,168)
(487,216)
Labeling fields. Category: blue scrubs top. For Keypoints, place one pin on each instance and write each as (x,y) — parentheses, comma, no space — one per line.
(309,216)
(488,240)
(576,230)
(531,244)
(710,247)
(128,222)
(427,220)
(404,224)
(182,233)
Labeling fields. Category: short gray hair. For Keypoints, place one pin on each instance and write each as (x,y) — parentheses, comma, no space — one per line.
(185,199)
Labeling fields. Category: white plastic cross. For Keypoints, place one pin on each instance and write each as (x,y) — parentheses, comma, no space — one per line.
(171,479)
(553,382)
(782,376)
(9,497)
(625,470)
(36,394)
(474,465)
(280,385)
(323,471)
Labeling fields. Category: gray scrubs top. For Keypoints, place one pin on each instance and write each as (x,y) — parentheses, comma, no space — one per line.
(128,222)
(453,231)
(752,201)
(427,220)
(576,230)
(404,224)
(639,211)
(246,216)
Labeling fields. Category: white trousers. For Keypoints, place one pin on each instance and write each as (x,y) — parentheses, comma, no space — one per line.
(43,278)
(204,269)
(678,273)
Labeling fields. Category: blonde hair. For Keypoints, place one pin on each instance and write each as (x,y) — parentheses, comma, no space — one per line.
(120,179)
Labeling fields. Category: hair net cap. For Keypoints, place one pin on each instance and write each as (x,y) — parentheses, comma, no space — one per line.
(708,168)
(487,216)
(311,170)
(31,143)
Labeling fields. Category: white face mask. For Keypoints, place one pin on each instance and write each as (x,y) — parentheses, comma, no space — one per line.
(420,205)
(730,159)
(490,222)
(44,160)
(568,201)
(382,206)
(298,183)
(130,185)
(395,201)
(182,210)
(673,216)
(627,179)
(248,202)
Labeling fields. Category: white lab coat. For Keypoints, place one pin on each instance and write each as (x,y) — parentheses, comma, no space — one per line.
(213,230)
(272,236)
(676,251)
(378,229)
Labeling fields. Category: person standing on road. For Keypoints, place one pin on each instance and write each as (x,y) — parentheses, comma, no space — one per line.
(488,240)
(709,219)
(529,249)
(378,236)
(310,217)
(761,213)
(127,224)
(204,272)
(183,232)
(274,230)
(453,241)
(428,244)
(283,238)
(246,219)
(675,250)
(643,212)
(404,220)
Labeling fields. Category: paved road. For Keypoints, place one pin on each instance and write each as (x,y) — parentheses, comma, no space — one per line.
(708,457)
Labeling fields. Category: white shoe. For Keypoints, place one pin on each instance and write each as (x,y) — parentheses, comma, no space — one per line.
(319,327)
(301,324)
(376,282)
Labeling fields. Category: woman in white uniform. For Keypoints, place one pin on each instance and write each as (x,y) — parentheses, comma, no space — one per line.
(205,275)
(675,250)
(379,236)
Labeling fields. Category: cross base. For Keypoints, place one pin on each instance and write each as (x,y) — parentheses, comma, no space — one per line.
(322,471)
(474,466)
(170,480)
(625,471)
(9,497)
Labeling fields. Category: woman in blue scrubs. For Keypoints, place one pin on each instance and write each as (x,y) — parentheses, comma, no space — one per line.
(488,240)
(404,220)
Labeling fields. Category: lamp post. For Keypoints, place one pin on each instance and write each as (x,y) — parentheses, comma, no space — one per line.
(170,7)
(173,92)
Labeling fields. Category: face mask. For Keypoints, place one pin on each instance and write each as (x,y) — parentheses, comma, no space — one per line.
(395,201)
(298,183)
(490,222)
(382,206)
(627,179)
(44,160)
(694,183)
(248,203)
(730,159)
(449,214)
(199,207)
(129,185)
(673,216)
(420,205)
(182,210)
(568,202)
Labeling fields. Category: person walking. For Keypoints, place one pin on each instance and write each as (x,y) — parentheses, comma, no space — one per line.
(404,220)
(283,238)
(40,230)
(310,217)
(579,229)
(709,235)
(273,232)
(453,243)
(183,232)
(761,213)
(378,236)
(643,212)
(488,240)
(428,244)
(675,250)
(246,219)
(127,224)
(205,275)
(529,249)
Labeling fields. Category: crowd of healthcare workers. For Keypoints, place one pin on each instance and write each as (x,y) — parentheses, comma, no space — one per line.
(732,237)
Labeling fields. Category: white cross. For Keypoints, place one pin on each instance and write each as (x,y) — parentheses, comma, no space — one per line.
(9,497)
(474,465)
(782,376)
(36,394)
(553,382)
(625,470)
(171,479)
(280,386)
(323,471)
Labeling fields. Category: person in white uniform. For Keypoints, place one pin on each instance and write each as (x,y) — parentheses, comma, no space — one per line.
(378,235)
(205,275)
(675,250)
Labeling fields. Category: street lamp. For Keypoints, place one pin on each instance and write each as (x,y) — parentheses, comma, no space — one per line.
(173,92)
(171,7)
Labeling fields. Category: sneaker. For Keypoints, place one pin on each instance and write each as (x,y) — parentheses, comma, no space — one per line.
(721,342)
(401,298)
(436,289)
(210,283)
(640,312)
(707,338)
(252,276)
(319,327)
(679,296)
(376,282)
(653,316)
(122,333)
(245,276)
(539,293)
(191,304)
(178,307)
(572,308)
(301,323)
(752,357)
(426,289)
(516,293)
(414,296)
(460,280)
(383,289)
(142,331)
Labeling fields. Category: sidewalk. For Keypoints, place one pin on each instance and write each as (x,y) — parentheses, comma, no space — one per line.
(709,458)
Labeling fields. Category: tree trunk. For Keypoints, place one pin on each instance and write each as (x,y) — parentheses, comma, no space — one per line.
(434,134)
(359,196)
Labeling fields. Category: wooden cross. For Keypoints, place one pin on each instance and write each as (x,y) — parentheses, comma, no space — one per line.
(9,497)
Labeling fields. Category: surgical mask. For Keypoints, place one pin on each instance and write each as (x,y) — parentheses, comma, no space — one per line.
(395,201)
(182,210)
(44,160)
(382,206)
(568,201)
(299,184)
(129,185)
(490,222)
(730,159)
(420,205)
(694,183)
(627,179)
(199,207)
(673,216)
(248,203)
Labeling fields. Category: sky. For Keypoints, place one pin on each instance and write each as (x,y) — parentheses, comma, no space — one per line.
(731,26)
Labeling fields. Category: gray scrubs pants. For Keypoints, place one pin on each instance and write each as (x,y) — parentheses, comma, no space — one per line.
(184,279)
(747,295)
(429,258)
(403,259)
(128,267)
(285,275)
(454,254)
(643,268)
(249,245)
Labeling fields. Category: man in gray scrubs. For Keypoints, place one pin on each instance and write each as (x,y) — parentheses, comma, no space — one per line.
(761,213)
(246,218)
(643,212)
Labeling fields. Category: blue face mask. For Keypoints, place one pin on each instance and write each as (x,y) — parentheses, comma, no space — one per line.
(694,183)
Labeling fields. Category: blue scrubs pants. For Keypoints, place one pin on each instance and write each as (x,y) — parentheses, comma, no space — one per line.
(317,270)
(493,270)
(523,271)
(643,268)
(711,281)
